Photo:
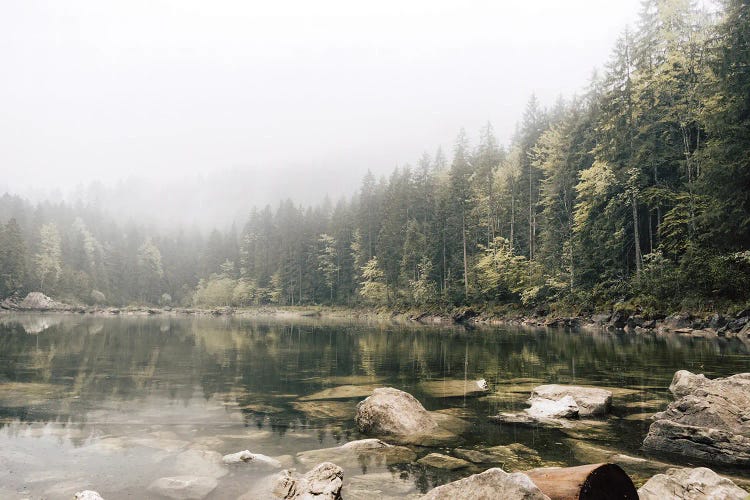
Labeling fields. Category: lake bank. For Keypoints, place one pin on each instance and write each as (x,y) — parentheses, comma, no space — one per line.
(708,325)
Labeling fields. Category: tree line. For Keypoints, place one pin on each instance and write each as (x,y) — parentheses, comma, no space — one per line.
(636,191)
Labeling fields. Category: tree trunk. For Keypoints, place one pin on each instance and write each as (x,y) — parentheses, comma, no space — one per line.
(636,235)
(466,265)
(585,482)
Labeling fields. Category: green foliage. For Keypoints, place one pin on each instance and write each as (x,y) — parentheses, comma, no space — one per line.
(373,290)
(501,275)
(48,261)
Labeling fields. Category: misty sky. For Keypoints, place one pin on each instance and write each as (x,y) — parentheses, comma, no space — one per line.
(313,93)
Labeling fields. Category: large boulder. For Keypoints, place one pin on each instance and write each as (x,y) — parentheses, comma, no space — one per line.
(590,400)
(389,411)
(321,483)
(691,484)
(710,420)
(37,301)
(489,485)
(397,415)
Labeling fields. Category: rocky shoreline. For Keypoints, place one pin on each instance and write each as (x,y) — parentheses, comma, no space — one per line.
(397,427)
(736,325)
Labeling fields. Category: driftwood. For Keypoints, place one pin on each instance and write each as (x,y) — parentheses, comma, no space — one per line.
(585,482)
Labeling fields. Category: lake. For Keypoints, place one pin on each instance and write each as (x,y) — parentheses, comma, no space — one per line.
(114,403)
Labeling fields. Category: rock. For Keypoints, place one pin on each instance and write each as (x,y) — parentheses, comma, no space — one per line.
(363,451)
(380,485)
(677,321)
(398,415)
(341,392)
(490,484)
(691,484)
(590,400)
(513,457)
(619,319)
(710,420)
(542,408)
(464,315)
(738,324)
(37,301)
(326,410)
(184,487)
(321,483)
(454,388)
(200,463)
(716,321)
(649,324)
(88,495)
(601,319)
(251,458)
(440,461)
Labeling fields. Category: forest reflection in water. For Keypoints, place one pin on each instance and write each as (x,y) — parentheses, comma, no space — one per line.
(114,403)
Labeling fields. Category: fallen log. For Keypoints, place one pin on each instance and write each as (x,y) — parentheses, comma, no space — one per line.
(584,482)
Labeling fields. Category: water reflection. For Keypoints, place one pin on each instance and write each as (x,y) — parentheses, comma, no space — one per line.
(142,391)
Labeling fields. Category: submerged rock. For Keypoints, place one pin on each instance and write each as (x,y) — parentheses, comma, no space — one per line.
(396,414)
(251,458)
(326,410)
(200,463)
(590,400)
(380,485)
(490,484)
(440,461)
(184,487)
(709,421)
(363,451)
(321,483)
(691,484)
(341,392)
(515,456)
(88,495)
(454,388)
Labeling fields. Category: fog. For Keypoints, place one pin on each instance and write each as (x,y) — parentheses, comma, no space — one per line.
(249,102)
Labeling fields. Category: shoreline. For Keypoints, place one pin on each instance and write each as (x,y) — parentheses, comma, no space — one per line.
(712,326)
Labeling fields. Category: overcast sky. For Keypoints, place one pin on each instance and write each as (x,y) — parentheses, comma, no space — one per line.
(324,89)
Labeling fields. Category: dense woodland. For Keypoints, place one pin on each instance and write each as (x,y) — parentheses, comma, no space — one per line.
(635,192)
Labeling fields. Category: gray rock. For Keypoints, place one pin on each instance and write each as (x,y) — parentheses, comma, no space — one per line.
(677,321)
(184,487)
(590,400)
(251,458)
(543,408)
(396,414)
(37,301)
(512,457)
(601,319)
(321,483)
(691,484)
(454,388)
(440,461)
(710,420)
(88,495)
(491,484)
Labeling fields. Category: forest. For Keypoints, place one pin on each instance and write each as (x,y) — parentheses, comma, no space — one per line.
(635,192)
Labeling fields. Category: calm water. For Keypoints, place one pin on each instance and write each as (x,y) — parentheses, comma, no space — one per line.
(114,403)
